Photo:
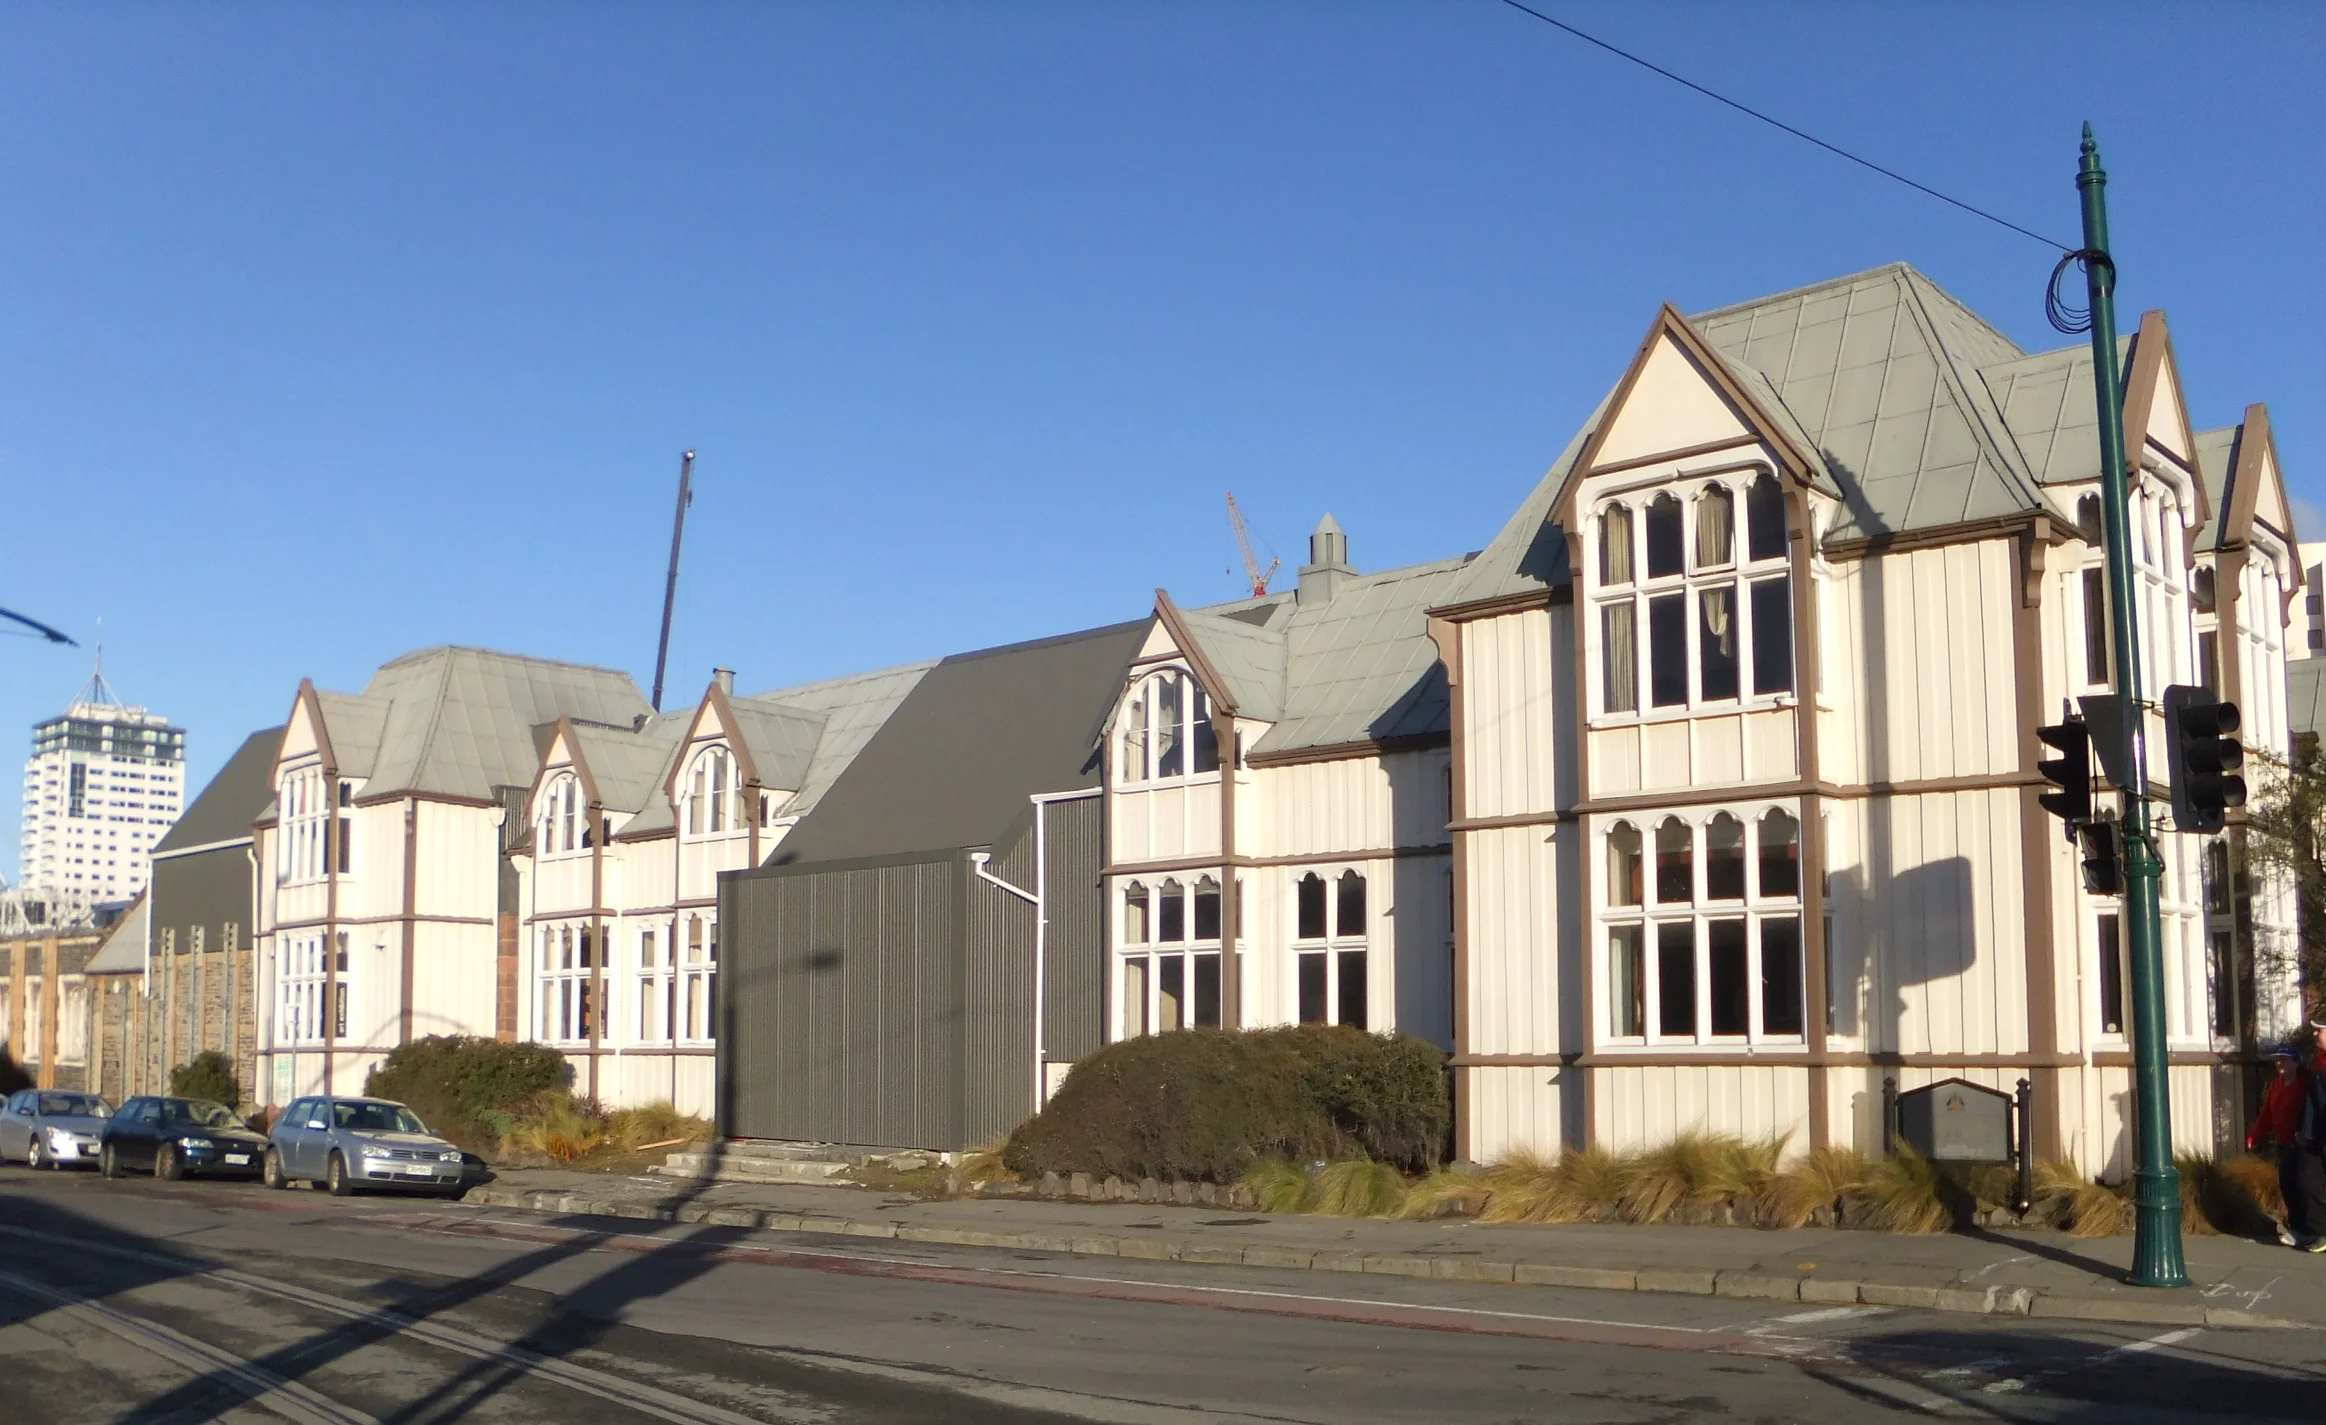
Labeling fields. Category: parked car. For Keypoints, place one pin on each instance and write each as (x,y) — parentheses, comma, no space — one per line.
(347,1143)
(179,1137)
(49,1128)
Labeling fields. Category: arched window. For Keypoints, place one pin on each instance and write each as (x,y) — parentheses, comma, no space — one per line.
(1715,528)
(2088,519)
(1623,864)
(1171,917)
(1765,518)
(1615,545)
(1167,730)
(1724,859)
(1134,914)
(1664,536)
(1675,862)
(709,794)
(1207,909)
(1780,858)
(1331,970)
(2201,589)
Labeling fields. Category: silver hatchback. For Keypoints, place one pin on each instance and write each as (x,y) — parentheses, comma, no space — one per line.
(49,1128)
(350,1143)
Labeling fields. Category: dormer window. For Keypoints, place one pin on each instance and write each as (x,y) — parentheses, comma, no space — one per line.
(1717,619)
(563,827)
(1166,730)
(709,796)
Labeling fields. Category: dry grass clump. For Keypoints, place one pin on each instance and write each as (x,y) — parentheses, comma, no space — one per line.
(1448,1192)
(557,1126)
(1275,1185)
(1696,1171)
(1902,1194)
(1356,1187)
(1825,1180)
(980,1165)
(653,1125)
(2078,1205)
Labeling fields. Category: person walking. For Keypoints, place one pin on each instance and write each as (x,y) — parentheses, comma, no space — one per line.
(2275,1127)
(2305,1185)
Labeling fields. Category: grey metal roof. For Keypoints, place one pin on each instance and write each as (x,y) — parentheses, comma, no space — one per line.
(233,799)
(1355,667)
(782,740)
(628,763)
(853,709)
(2215,449)
(2306,695)
(977,734)
(1881,369)
(123,952)
(460,721)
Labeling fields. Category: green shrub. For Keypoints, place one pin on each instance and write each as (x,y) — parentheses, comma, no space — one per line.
(464,1087)
(208,1075)
(1207,1104)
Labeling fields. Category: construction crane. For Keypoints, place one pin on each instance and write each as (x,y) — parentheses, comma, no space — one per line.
(1259,576)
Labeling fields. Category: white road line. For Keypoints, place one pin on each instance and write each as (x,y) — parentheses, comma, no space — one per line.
(2013,1384)
(1837,1313)
(287,1398)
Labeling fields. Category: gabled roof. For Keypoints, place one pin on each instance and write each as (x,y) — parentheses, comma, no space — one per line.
(1358,666)
(2215,450)
(226,808)
(460,721)
(1881,369)
(123,952)
(977,734)
(626,763)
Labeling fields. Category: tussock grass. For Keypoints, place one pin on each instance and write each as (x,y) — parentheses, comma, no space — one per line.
(980,1165)
(1696,1171)
(1901,1194)
(1448,1192)
(633,1128)
(1355,1187)
(558,1126)
(1275,1185)
(1824,1179)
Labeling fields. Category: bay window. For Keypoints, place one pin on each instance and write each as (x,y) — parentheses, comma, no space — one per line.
(698,981)
(1708,946)
(1718,618)
(1170,961)
(571,1008)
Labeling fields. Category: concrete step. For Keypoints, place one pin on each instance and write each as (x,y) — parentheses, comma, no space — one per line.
(785,1151)
(747,1169)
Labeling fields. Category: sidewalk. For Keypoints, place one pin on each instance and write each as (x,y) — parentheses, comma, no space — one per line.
(2234,1282)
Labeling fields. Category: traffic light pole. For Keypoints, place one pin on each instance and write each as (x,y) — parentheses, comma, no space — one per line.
(2156,1252)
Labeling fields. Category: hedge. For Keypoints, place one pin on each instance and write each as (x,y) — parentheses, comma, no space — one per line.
(208,1075)
(1206,1104)
(463,1086)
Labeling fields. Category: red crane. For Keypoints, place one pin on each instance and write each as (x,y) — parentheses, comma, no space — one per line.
(1259,576)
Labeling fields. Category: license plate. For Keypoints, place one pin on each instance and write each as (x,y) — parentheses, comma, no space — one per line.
(239,1158)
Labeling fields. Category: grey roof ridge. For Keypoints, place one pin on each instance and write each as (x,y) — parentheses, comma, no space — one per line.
(780,696)
(434,648)
(1925,287)
(2013,466)
(1887,269)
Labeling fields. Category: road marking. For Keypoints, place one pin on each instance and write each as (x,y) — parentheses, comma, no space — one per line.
(297,1403)
(2013,1384)
(1837,1313)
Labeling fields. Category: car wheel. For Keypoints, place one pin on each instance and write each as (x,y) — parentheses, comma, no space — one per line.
(108,1166)
(272,1173)
(38,1156)
(167,1164)
(335,1177)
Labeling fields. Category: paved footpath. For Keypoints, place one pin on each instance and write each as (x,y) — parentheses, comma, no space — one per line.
(2233,1282)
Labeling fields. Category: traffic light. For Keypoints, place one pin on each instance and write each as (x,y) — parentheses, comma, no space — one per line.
(2203,753)
(2103,870)
(2070,772)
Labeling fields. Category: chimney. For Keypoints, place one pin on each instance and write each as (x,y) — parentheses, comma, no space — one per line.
(1328,563)
(725,678)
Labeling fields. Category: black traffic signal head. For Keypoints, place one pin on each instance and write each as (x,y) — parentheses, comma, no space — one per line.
(2103,868)
(2203,755)
(2070,773)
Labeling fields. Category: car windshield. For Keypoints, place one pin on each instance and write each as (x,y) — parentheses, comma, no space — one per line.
(66,1104)
(201,1113)
(378,1118)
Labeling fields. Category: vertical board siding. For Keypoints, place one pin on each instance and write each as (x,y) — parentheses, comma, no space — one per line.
(1519,685)
(1074,973)
(1515,1110)
(1922,672)
(1515,922)
(995,1075)
(1651,1104)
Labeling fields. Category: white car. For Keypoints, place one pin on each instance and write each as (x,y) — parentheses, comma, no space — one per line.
(49,1128)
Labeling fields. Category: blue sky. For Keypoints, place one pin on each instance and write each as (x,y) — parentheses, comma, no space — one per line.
(329,332)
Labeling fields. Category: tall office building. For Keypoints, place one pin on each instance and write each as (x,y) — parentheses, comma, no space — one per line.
(103,783)
(2313,644)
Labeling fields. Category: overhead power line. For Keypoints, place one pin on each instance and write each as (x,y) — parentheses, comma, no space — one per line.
(1776,123)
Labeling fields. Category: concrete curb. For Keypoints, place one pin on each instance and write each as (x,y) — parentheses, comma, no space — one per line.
(1750,1286)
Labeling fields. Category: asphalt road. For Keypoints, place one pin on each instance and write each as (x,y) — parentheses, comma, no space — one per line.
(170,1304)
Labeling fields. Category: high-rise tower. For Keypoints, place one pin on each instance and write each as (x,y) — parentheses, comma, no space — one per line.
(103,783)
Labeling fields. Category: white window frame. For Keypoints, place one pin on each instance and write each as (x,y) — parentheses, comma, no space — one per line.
(303,806)
(304,974)
(1332,946)
(710,796)
(651,974)
(564,823)
(563,995)
(1142,965)
(1699,912)
(1740,575)
(1140,754)
(697,972)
